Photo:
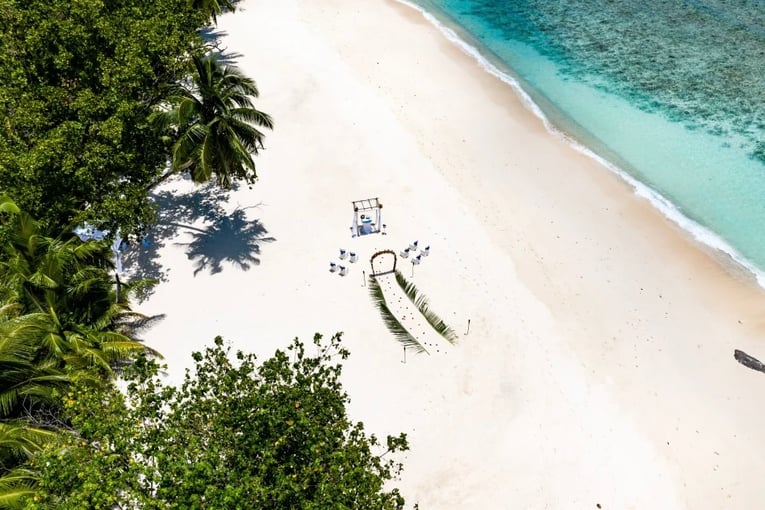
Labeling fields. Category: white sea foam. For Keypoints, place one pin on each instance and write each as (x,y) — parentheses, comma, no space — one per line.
(473,52)
(699,232)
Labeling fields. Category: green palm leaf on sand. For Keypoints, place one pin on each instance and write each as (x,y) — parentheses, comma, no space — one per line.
(421,302)
(394,326)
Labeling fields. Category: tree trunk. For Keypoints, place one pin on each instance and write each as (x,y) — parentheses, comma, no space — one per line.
(748,361)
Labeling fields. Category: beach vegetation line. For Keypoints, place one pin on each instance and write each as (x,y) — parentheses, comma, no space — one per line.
(101,102)
(280,427)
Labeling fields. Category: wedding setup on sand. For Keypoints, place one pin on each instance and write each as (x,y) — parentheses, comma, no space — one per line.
(582,353)
(477,254)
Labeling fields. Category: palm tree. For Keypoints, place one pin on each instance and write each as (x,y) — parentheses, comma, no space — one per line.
(38,272)
(212,8)
(27,395)
(73,346)
(60,319)
(65,300)
(16,487)
(214,124)
(25,383)
(19,441)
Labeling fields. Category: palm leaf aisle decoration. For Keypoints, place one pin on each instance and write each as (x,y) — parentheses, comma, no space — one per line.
(421,302)
(393,324)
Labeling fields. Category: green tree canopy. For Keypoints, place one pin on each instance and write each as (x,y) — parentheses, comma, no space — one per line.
(236,434)
(80,78)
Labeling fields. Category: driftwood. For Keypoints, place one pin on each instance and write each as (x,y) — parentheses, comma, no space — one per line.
(748,361)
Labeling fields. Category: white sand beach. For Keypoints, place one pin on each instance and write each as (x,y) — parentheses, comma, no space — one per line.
(598,369)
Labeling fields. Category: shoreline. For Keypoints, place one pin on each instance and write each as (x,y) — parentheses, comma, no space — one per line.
(599,364)
(726,253)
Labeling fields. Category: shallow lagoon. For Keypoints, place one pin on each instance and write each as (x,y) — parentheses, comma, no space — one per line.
(672,94)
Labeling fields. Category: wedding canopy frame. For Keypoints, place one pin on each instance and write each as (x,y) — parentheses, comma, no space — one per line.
(367,216)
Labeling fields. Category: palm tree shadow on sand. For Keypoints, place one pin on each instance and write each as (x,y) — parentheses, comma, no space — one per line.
(231,239)
(176,212)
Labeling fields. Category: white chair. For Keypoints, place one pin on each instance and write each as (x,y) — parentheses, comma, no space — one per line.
(343,254)
(332,267)
(343,270)
(352,257)
(416,260)
(425,251)
(404,253)
(413,246)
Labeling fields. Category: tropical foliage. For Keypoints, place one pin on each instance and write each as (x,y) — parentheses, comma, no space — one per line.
(26,384)
(61,320)
(65,298)
(213,122)
(27,398)
(236,434)
(213,8)
(81,81)
(98,100)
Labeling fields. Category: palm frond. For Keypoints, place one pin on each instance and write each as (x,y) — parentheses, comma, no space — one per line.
(394,326)
(164,121)
(253,116)
(8,206)
(10,309)
(188,110)
(42,280)
(19,440)
(203,170)
(250,138)
(234,156)
(94,253)
(16,487)
(28,387)
(185,149)
(133,323)
(421,302)
(233,79)
(14,496)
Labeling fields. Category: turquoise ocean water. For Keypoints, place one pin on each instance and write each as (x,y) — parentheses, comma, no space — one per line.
(671,94)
